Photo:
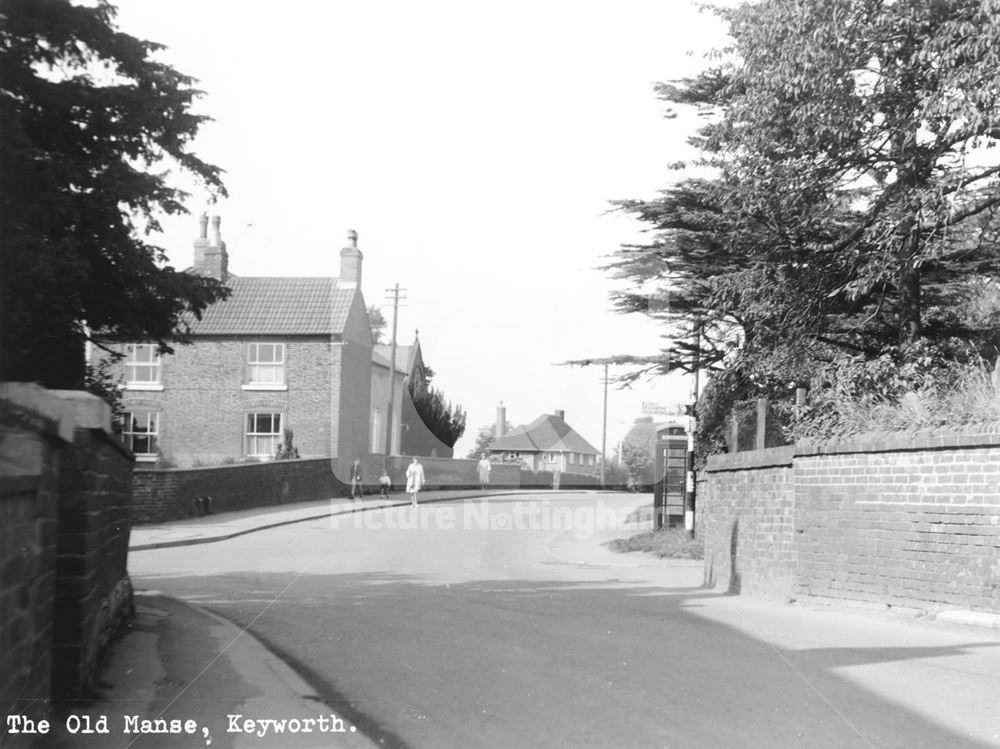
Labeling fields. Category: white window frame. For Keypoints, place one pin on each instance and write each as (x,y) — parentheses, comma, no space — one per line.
(253,438)
(255,367)
(150,430)
(150,363)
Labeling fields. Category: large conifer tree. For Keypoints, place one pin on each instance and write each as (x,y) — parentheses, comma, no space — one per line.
(92,126)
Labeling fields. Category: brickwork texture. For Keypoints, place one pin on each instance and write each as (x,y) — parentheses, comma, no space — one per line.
(64,529)
(900,520)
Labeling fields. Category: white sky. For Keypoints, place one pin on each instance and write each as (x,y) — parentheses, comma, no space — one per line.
(474,146)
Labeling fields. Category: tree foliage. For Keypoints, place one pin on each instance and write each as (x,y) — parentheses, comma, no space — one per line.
(377,322)
(639,452)
(484,438)
(445,421)
(92,126)
(845,205)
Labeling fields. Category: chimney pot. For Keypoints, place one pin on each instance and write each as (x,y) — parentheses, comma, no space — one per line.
(560,414)
(350,263)
(216,231)
(210,257)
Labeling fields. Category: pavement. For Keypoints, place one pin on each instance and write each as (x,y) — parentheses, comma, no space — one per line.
(213,528)
(178,662)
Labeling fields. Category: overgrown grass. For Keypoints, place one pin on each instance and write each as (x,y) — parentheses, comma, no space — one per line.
(666,543)
(958,396)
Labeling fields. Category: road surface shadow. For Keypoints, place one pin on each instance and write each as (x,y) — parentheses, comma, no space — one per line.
(529,662)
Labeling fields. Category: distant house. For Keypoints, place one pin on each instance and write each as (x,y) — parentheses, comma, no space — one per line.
(280,353)
(546,444)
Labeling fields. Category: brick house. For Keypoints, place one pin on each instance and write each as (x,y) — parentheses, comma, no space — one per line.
(280,353)
(546,444)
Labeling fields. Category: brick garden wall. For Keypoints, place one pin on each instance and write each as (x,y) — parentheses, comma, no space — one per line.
(93,592)
(28,504)
(905,520)
(169,494)
(746,517)
(64,528)
(159,495)
(450,473)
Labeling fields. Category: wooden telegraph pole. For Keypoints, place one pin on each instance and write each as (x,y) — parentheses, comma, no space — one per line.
(395,293)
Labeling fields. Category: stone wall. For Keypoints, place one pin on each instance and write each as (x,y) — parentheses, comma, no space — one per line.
(904,520)
(64,528)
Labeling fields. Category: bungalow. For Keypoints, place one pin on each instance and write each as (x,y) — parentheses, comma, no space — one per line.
(546,444)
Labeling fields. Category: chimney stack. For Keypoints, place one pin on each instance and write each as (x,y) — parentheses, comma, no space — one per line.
(201,244)
(350,263)
(501,425)
(210,256)
(560,414)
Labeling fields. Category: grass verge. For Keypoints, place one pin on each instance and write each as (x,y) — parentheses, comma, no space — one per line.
(666,543)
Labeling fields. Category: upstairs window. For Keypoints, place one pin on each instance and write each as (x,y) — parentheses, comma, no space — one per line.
(142,366)
(263,434)
(140,433)
(266,364)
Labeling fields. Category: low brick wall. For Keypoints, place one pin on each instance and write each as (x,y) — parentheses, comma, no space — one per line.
(160,495)
(905,520)
(746,518)
(451,473)
(169,494)
(64,528)
(93,592)
(28,502)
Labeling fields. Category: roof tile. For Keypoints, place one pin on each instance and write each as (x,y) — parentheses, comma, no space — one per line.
(268,305)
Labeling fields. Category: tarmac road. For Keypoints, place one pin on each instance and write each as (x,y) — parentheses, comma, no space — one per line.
(458,625)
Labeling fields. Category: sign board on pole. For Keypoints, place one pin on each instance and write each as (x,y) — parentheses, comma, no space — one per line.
(653,408)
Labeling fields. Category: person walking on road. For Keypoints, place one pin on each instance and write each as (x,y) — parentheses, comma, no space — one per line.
(385,482)
(484,466)
(356,478)
(414,479)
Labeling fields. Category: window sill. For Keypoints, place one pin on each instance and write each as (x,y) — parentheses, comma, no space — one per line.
(146,458)
(142,386)
(265,387)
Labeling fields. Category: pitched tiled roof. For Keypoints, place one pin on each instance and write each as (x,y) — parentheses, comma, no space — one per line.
(277,306)
(383,361)
(547,432)
(516,439)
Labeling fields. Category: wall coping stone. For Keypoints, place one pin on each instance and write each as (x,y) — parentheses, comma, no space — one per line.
(61,411)
(152,468)
(86,410)
(984,434)
(769,457)
(32,399)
